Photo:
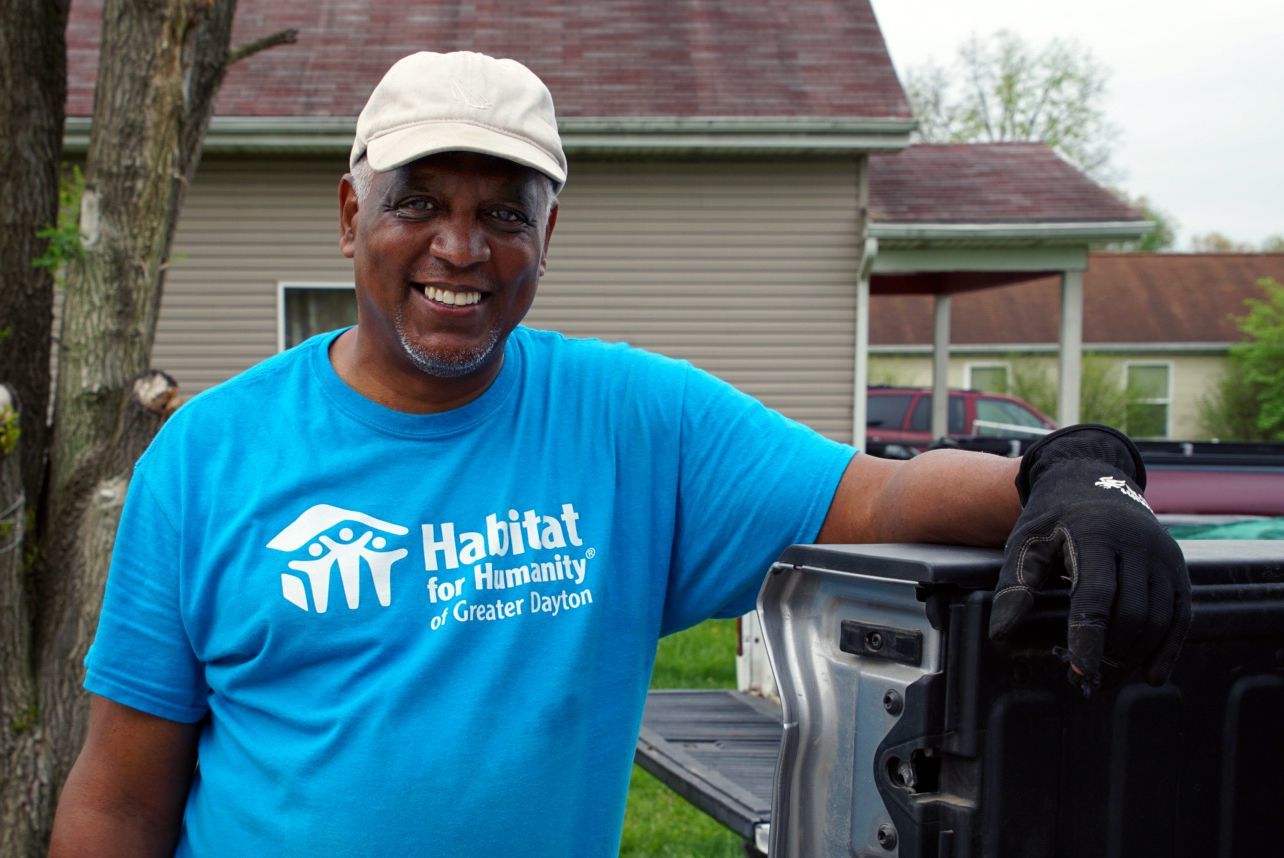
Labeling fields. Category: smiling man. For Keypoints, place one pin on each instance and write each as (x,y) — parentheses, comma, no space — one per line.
(448,251)
(515,518)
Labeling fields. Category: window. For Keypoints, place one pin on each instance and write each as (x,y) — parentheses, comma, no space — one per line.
(1149,387)
(990,377)
(306,309)
(1006,414)
(886,411)
(921,421)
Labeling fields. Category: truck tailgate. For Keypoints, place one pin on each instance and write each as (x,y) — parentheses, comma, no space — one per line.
(717,749)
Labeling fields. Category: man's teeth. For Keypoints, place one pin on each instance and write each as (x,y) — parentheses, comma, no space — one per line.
(445,296)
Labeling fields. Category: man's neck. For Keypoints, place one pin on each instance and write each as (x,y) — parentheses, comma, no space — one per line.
(401,386)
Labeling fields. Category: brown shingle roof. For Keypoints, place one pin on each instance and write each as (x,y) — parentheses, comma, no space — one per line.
(986,183)
(1127,297)
(820,59)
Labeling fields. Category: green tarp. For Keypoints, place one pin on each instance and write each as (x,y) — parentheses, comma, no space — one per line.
(1258,528)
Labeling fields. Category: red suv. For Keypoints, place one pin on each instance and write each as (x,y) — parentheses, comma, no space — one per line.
(903,415)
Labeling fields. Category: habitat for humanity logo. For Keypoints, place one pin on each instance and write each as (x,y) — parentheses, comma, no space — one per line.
(344,549)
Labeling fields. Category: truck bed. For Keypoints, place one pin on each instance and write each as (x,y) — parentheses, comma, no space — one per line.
(717,749)
(963,707)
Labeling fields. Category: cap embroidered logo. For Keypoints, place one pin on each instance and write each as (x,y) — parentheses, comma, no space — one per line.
(459,92)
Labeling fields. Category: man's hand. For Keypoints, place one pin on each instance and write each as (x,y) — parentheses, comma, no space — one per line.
(1085,520)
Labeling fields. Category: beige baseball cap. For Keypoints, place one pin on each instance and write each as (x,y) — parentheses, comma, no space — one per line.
(462,101)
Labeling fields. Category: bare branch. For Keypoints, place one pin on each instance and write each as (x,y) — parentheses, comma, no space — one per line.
(284,37)
(157,392)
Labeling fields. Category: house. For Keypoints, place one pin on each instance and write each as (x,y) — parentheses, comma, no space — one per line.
(947,220)
(718,207)
(1164,323)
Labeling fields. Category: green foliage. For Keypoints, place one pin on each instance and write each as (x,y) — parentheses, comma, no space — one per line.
(660,823)
(890,373)
(1260,358)
(703,656)
(66,244)
(1002,88)
(9,431)
(1247,404)
(1216,242)
(1229,410)
(1032,380)
(1102,396)
(1164,235)
(26,719)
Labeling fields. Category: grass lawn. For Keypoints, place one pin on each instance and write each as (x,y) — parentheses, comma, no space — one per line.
(660,824)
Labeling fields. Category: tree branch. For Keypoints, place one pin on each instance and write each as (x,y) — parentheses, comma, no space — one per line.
(284,37)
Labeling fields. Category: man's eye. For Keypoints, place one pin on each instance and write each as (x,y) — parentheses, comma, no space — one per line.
(509,216)
(415,205)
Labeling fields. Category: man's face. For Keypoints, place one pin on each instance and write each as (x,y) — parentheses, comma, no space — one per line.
(448,251)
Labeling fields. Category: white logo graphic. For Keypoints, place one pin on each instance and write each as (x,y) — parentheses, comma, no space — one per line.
(1116,483)
(347,552)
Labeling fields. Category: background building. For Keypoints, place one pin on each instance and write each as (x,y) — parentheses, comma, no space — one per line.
(719,206)
(1157,326)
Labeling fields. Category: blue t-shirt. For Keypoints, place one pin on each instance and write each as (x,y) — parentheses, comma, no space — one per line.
(433,634)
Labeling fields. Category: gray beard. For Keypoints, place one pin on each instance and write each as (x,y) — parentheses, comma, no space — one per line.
(448,364)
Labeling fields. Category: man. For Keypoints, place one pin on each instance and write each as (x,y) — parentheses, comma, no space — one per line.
(514,517)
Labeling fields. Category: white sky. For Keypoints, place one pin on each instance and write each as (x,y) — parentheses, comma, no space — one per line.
(1196,92)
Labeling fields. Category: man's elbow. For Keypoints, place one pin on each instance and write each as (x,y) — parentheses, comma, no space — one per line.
(126,792)
(95,818)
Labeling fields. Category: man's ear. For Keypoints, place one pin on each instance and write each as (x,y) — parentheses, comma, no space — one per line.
(348,206)
(548,234)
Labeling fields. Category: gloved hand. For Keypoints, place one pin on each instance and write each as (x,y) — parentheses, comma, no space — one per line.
(1084,519)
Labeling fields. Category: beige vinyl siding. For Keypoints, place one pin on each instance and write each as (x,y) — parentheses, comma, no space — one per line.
(245,226)
(745,267)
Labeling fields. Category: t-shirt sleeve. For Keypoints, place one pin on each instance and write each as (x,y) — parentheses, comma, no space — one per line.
(751,483)
(141,656)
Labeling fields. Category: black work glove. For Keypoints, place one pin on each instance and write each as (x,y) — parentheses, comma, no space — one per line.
(1084,519)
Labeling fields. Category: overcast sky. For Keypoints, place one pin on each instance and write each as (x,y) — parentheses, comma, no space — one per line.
(1196,92)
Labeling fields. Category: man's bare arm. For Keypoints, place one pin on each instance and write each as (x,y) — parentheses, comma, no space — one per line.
(125,794)
(950,496)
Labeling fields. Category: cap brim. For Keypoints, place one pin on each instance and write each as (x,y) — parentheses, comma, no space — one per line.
(392,150)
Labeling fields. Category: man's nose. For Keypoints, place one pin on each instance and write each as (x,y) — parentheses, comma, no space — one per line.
(460,241)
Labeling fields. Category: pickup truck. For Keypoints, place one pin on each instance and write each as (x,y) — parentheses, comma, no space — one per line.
(1185,478)
(731,752)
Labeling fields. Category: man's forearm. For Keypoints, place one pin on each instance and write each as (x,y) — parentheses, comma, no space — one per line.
(945,496)
(955,496)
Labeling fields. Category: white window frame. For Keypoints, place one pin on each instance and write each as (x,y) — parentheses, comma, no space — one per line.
(1166,401)
(282,285)
(968,367)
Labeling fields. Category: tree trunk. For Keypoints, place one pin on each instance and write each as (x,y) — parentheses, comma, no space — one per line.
(33,67)
(160,65)
(25,786)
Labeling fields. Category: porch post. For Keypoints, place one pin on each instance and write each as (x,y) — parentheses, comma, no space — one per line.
(1071,357)
(941,368)
(860,405)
